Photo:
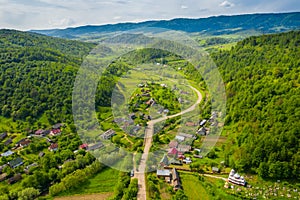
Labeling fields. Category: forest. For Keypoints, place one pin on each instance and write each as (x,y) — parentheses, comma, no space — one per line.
(263,104)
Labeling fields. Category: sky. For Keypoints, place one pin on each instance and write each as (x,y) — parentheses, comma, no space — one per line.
(49,14)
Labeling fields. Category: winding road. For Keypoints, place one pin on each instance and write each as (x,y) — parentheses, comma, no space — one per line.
(140,174)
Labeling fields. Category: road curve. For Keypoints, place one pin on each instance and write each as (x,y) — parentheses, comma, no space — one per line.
(140,174)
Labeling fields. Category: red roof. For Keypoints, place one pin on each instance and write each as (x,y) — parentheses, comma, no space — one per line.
(55,131)
(173,151)
(83,146)
(39,132)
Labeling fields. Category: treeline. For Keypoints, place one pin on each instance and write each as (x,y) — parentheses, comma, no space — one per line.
(263,104)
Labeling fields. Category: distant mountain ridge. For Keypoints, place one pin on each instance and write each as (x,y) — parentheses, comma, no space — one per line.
(262,23)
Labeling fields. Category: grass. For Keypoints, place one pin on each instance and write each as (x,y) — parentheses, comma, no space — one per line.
(102,182)
(192,187)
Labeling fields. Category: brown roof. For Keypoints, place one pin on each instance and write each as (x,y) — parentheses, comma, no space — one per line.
(53,146)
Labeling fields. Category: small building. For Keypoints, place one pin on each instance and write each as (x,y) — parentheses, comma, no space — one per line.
(163,173)
(3,177)
(58,126)
(175,180)
(187,161)
(3,136)
(235,178)
(16,162)
(8,141)
(108,134)
(55,132)
(184,148)
(215,170)
(190,124)
(202,131)
(24,143)
(203,122)
(7,153)
(84,146)
(180,138)
(173,144)
(39,132)
(186,135)
(14,179)
(53,147)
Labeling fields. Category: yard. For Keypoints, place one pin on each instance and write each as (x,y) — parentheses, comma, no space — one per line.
(103,182)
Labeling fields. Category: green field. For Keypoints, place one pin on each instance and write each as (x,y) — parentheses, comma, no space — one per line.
(192,187)
(103,182)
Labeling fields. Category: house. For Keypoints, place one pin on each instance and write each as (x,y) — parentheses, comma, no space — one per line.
(24,143)
(165,173)
(16,162)
(84,146)
(108,134)
(173,144)
(39,132)
(202,131)
(3,136)
(175,180)
(53,147)
(164,161)
(58,126)
(203,122)
(184,148)
(7,142)
(14,179)
(173,152)
(3,177)
(95,146)
(215,169)
(7,153)
(55,132)
(180,100)
(180,138)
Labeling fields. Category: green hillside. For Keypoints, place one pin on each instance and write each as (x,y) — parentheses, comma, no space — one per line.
(263,106)
(37,74)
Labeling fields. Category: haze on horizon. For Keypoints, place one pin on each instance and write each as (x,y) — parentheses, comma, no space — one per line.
(49,14)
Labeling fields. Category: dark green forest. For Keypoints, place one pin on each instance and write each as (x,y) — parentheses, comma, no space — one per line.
(263,104)
(37,74)
(262,81)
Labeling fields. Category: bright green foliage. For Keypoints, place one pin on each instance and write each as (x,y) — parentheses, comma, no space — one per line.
(263,104)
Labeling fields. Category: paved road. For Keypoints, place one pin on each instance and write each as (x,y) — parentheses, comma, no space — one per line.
(140,174)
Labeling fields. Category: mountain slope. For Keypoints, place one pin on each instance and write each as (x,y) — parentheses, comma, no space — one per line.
(261,23)
(37,74)
(263,108)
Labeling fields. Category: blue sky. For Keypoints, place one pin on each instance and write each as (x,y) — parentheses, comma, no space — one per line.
(47,14)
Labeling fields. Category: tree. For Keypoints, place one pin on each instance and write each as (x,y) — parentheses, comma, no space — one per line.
(179,195)
(28,194)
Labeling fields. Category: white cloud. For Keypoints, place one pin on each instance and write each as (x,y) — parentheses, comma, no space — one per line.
(184,7)
(226,4)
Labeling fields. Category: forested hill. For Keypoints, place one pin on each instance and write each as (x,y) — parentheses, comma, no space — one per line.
(260,23)
(37,74)
(262,76)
